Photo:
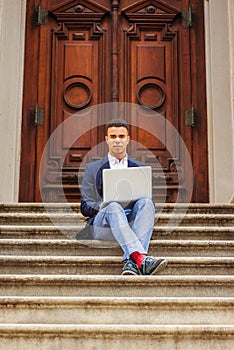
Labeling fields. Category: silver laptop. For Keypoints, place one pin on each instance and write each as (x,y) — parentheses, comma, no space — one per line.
(127,184)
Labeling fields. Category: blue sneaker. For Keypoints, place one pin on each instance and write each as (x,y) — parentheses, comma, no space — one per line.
(150,265)
(130,268)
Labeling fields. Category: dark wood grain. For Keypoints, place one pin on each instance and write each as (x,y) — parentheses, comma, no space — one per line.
(95,52)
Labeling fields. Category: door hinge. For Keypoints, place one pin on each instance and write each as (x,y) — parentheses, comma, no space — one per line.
(40,16)
(189,117)
(37,115)
(187,17)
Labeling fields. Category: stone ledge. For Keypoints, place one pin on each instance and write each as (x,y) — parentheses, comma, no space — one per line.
(107,265)
(39,302)
(101,285)
(76,228)
(67,207)
(67,247)
(133,330)
(160,232)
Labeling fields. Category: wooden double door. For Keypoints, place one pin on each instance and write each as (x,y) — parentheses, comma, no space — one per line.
(81,54)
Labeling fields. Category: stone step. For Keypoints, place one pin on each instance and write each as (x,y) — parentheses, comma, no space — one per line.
(162,219)
(75,207)
(160,232)
(70,265)
(103,310)
(57,292)
(67,247)
(40,207)
(115,337)
(112,286)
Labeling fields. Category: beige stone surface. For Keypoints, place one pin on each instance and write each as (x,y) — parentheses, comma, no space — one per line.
(56,292)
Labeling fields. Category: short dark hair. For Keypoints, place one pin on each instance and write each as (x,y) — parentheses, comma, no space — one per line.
(117,123)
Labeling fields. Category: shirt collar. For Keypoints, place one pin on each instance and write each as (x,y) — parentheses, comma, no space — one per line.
(113,160)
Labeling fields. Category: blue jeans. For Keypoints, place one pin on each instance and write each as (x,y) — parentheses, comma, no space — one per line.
(132,230)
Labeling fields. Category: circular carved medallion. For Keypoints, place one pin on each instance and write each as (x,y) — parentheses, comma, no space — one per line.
(77,95)
(151,95)
(79,8)
(151,9)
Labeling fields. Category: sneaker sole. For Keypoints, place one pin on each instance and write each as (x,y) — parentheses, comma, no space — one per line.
(129,273)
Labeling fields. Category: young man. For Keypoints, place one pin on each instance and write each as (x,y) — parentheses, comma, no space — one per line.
(131,227)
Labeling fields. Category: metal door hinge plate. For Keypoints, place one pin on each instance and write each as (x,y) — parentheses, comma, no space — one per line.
(189,117)
(187,17)
(40,16)
(37,115)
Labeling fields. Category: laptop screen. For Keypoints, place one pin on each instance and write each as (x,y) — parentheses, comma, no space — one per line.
(127,184)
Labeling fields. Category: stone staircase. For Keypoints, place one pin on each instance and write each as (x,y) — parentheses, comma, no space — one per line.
(58,293)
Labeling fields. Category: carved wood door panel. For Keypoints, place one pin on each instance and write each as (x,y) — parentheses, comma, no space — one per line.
(93,52)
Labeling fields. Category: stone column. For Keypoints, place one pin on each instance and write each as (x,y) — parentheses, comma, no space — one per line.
(12,33)
(219,61)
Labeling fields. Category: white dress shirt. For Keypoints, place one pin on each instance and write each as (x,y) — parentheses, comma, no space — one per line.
(115,163)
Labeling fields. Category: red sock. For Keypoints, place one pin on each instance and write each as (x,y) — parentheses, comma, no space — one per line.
(138,258)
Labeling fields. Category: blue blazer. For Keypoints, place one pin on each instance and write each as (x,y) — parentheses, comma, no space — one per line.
(92,186)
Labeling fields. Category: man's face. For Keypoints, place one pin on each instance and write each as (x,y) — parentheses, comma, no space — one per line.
(117,139)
